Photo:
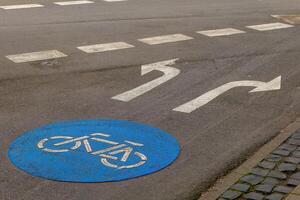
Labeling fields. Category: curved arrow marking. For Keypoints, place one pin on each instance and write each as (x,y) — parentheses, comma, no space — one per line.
(163,66)
(202,100)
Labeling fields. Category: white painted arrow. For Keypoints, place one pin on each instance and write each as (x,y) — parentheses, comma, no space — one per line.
(200,101)
(163,66)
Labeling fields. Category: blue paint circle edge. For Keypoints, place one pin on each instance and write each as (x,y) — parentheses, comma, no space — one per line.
(94,120)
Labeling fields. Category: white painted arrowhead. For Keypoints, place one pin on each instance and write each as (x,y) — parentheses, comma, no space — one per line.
(163,66)
(274,84)
(145,69)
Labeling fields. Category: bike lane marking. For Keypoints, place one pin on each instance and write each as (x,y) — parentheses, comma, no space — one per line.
(93,151)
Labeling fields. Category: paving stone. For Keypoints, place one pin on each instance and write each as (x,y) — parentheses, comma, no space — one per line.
(293,182)
(283,189)
(294,142)
(260,171)
(230,194)
(277,174)
(264,188)
(288,147)
(275,196)
(271,181)
(252,179)
(267,165)
(273,158)
(296,176)
(281,152)
(254,196)
(296,154)
(292,160)
(296,136)
(287,167)
(241,187)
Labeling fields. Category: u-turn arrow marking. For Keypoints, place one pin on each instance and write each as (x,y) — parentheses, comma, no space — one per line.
(163,66)
(202,100)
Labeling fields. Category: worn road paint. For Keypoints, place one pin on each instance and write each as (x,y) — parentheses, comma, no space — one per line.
(93,151)
(11,7)
(270,26)
(202,100)
(105,47)
(221,32)
(35,56)
(165,39)
(291,19)
(163,66)
(67,3)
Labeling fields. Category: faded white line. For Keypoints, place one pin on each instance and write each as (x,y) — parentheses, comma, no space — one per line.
(221,32)
(105,47)
(35,56)
(67,3)
(165,39)
(270,26)
(11,7)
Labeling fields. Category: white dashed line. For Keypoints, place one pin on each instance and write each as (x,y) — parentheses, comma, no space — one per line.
(165,39)
(35,56)
(67,3)
(270,26)
(11,7)
(221,32)
(105,47)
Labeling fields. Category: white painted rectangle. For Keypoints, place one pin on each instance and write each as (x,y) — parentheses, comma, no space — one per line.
(67,3)
(221,32)
(270,26)
(11,7)
(105,47)
(165,39)
(35,56)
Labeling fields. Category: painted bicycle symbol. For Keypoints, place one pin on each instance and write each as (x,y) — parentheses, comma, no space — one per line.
(108,155)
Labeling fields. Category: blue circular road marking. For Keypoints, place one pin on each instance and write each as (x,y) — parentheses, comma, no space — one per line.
(93,151)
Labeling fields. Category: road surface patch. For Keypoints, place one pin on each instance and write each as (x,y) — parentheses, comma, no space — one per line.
(105,47)
(12,7)
(165,39)
(35,56)
(270,26)
(67,3)
(93,151)
(221,32)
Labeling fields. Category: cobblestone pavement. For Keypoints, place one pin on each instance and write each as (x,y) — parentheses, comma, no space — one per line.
(273,178)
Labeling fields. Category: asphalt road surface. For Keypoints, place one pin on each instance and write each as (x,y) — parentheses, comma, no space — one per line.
(214,138)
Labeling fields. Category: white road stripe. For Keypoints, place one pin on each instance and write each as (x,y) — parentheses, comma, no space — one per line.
(221,32)
(10,7)
(270,26)
(67,3)
(165,39)
(105,47)
(35,56)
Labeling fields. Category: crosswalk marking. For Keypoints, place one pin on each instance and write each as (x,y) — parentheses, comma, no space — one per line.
(270,26)
(35,56)
(66,3)
(165,39)
(105,47)
(221,32)
(11,7)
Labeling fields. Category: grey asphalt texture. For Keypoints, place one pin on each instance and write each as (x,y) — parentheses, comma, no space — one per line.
(214,139)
